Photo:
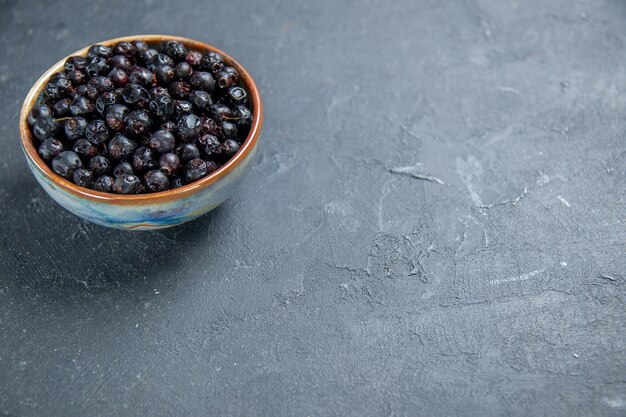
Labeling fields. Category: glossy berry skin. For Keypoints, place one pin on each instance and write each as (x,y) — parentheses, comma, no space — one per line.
(85,148)
(193,58)
(98,85)
(182,107)
(143,159)
(224,79)
(162,59)
(209,126)
(97,65)
(81,106)
(229,148)
(164,74)
(169,163)
(147,56)
(98,50)
(188,127)
(50,148)
(156,181)
(169,126)
(211,145)
(182,71)
(124,48)
(126,184)
(75,63)
(162,141)
(161,106)
(45,127)
(83,177)
(76,77)
(176,182)
(118,77)
(75,128)
(179,89)
(138,122)
(123,168)
(201,100)
(174,49)
(115,116)
(212,62)
(142,76)
(187,151)
(121,147)
(62,107)
(120,62)
(103,184)
(220,112)
(97,132)
(140,46)
(202,81)
(229,130)
(237,96)
(195,169)
(81,90)
(65,163)
(99,165)
(244,116)
(134,94)
(58,87)
(38,112)
(105,101)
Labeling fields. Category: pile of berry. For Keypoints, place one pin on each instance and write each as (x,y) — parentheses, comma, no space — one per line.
(133,119)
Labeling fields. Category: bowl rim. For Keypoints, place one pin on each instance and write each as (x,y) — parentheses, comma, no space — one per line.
(162,196)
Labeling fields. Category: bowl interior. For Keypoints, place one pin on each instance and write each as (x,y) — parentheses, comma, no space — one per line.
(35,94)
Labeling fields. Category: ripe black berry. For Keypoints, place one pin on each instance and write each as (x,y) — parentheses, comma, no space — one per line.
(97,132)
(99,165)
(142,76)
(75,128)
(65,163)
(58,87)
(187,151)
(156,181)
(237,95)
(201,100)
(105,101)
(174,49)
(183,71)
(143,159)
(83,177)
(182,107)
(97,65)
(212,62)
(62,107)
(244,116)
(164,74)
(120,62)
(85,148)
(126,184)
(98,50)
(169,163)
(124,48)
(169,126)
(123,168)
(220,112)
(76,77)
(133,94)
(38,112)
(121,147)
(211,145)
(209,126)
(118,77)
(81,106)
(162,59)
(176,182)
(229,148)
(162,106)
(224,79)
(193,58)
(195,169)
(162,141)
(115,116)
(179,89)
(140,46)
(138,122)
(50,148)
(188,127)
(75,63)
(202,81)
(45,127)
(103,184)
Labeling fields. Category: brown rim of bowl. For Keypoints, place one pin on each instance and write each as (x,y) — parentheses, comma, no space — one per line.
(248,144)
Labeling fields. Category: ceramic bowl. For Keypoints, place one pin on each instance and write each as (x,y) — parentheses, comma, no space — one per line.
(145,211)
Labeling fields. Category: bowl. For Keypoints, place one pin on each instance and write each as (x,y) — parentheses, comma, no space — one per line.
(154,210)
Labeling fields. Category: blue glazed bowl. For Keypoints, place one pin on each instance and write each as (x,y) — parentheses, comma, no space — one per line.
(145,211)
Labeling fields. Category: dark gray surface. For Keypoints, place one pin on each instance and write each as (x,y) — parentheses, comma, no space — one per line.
(334,282)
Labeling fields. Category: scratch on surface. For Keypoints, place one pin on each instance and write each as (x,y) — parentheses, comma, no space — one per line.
(522,277)
(506,89)
(607,277)
(513,201)
(468,170)
(564,201)
(412,171)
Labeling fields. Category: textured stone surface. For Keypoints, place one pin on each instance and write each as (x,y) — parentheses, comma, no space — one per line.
(434,225)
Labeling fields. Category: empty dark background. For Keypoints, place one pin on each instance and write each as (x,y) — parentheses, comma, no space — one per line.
(338,280)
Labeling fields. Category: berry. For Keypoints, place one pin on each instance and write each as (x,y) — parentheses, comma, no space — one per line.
(62,107)
(142,76)
(176,182)
(105,101)
(169,163)
(211,145)
(38,112)
(81,106)
(126,184)
(174,49)
(195,169)
(120,147)
(97,132)
(140,46)
(98,50)
(202,81)
(201,100)
(148,55)
(85,148)
(229,130)
(212,62)
(179,89)
(99,165)
(50,148)
(188,127)
(83,177)
(120,62)
(224,79)
(220,112)
(209,126)
(164,74)
(123,168)
(162,106)
(237,95)
(169,126)
(45,127)
(97,65)
(134,94)
(65,163)
(143,159)
(103,184)
(162,59)
(115,116)
(244,116)
(229,148)
(124,48)
(58,87)
(76,77)
(183,71)
(187,151)
(138,122)
(162,141)
(75,128)
(75,63)
(182,107)
(81,90)
(98,85)
(156,181)
(118,77)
